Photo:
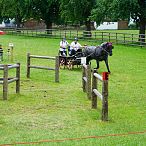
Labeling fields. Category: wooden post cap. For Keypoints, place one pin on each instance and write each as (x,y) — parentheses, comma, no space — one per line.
(105,75)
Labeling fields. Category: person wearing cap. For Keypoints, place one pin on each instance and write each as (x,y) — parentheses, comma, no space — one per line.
(63,45)
(75,47)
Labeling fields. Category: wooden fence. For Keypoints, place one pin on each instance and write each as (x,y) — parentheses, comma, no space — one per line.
(98,36)
(86,79)
(103,96)
(6,80)
(93,92)
(43,67)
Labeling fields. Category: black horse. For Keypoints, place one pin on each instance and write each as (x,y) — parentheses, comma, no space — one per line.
(99,53)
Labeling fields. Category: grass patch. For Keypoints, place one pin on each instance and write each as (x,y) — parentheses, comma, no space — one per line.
(48,110)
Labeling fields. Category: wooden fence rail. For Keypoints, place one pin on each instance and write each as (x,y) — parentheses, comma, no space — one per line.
(56,69)
(6,80)
(100,36)
(86,79)
(103,96)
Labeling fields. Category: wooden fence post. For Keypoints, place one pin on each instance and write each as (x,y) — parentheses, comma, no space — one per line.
(5,82)
(102,35)
(94,86)
(132,38)
(57,69)
(109,37)
(77,33)
(88,86)
(18,77)
(70,35)
(95,34)
(83,81)
(12,53)
(124,38)
(28,65)
(105,97)
(116,38)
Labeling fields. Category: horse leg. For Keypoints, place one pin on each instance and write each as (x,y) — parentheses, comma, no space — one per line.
(97,63)
(97,67)
(106,62)
(88,58)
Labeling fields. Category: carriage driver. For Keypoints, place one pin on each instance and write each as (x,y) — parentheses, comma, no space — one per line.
(75,47)
(63,45)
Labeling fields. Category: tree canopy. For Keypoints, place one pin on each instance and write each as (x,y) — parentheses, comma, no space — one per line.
(121,10)
(18,9)
(47,10)
(135,9)
(83,11)
(77,11)
(101,11)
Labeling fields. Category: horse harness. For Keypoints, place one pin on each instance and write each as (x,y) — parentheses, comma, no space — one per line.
(96,51)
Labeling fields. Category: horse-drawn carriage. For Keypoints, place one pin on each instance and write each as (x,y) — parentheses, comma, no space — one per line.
(69,61)
(99,53)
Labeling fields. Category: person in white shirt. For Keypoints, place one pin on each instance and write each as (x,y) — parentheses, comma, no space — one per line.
(63,46)
(75,47)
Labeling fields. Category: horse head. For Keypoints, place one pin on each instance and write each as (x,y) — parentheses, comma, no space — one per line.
(107,47)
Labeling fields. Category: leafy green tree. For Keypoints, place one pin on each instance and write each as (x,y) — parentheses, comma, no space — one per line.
(47,10)
(17,9)
(1,11)
(136,9)
(121,10)
(77,11)
(101,12)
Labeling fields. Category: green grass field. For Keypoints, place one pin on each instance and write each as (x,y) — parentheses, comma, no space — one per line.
(45,110)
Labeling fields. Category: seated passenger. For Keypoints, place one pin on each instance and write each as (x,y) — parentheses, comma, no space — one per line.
(75,47)
(63,46)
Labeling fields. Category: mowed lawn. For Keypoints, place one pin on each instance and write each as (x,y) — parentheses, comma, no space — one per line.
(45,110)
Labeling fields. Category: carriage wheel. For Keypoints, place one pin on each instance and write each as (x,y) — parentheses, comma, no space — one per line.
(69,64)
(62,62)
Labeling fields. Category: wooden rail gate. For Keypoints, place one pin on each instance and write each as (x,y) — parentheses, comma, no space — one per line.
(6,80)
(43,67)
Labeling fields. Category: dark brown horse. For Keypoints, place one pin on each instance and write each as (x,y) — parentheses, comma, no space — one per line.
(99,53)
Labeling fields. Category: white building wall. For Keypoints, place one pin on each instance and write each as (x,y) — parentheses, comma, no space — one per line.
(106,26)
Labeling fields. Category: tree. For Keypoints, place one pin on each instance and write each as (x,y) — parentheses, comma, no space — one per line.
(47,10)
(77,11)
(122,10)
(17,9)
(101,12)
(1,11)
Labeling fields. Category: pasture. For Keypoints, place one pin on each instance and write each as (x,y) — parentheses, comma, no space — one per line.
(45,110)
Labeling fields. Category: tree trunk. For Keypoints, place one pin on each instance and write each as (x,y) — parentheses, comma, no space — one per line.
(142,30)
(142,22)
(18,23)
(88,33)
(88,25)
(49,28)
